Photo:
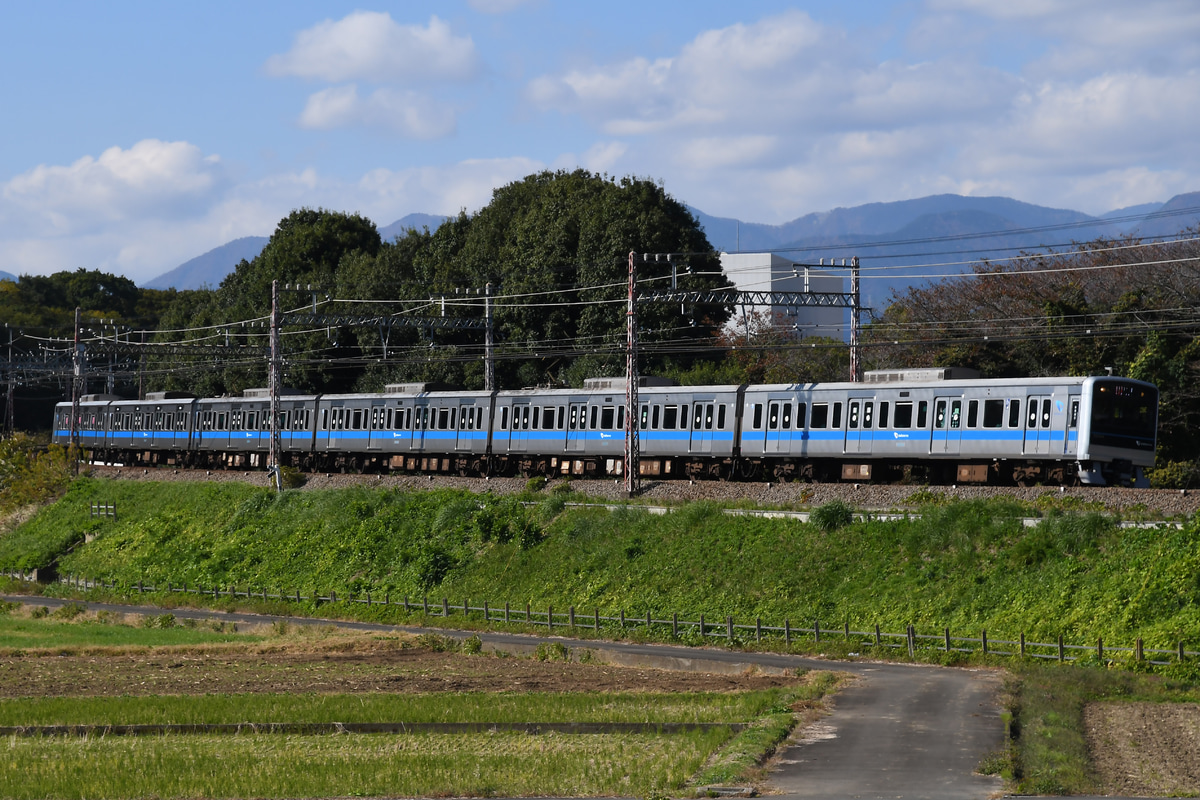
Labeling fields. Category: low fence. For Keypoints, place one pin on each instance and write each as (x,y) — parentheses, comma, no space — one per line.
(720,629)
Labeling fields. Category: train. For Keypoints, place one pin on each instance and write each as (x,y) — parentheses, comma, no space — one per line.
(941,426)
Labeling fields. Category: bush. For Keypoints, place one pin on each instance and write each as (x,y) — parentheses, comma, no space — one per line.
(69,611)
(832,515)
(536,484)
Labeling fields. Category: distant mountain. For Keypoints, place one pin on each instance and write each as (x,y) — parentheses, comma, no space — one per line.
(212,267)
(418,221)
(898,243)
(7,276)
(904,243)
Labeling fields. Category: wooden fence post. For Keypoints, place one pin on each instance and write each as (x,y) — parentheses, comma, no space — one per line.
(1180,651)
(911,641)
(983,638)
(1100,648)
(1137,656)
(787,632)
(675,624)
(816,631)
(445,607)
(648,622)
(1022,642)
(947,640)
(1062,652)
(729,628)
(701,626)
(878,636)
(597,625)
(571,616)
(758,629)
(549,618)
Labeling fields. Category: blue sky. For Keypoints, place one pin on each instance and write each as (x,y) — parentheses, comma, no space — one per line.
(140,134)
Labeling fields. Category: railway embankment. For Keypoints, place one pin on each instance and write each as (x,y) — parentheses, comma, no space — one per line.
(968,563)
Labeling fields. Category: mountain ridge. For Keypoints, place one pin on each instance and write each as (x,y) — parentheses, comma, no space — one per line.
(993,227)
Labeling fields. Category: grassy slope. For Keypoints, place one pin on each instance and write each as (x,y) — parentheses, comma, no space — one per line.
(968,565)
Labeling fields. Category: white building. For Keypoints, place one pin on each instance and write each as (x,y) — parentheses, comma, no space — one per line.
(767,272)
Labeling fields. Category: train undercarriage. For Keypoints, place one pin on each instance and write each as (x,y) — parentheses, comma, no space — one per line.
(999,472)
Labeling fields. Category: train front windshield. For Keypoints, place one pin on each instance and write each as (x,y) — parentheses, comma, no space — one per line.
(1124,414)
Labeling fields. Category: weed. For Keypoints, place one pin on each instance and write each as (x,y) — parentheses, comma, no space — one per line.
(535,484)
(69,611)
(437,642)
(552,651)
(832,515)
(472,645)
(39,612)
(280,627)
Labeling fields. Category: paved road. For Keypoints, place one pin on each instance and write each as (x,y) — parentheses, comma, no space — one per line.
(899,731)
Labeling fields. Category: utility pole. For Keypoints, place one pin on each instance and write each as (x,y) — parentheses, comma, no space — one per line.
(77,388)
(855,313)
(274,380)
(9,414)
(633,480)
(489,363)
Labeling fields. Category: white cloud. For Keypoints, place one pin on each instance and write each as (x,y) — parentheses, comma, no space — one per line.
(390,194)
(411,114)
(150,179)
(498,6)
(371,46)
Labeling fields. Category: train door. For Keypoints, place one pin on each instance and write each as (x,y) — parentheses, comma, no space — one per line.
(1071,434)
(519,431)
(860,424)
(377,435)
(1039,417)
(420,420)
(703,421)
(466,427)
(576,427)
(947,425)
(778,430)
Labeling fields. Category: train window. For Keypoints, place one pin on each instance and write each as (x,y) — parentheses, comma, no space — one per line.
(853,422)
(573,417)
(939,414)
(645,420)
(922,413)
(620,418)
(607,415)
(837,415)
(697,423)
(524,418)
(670,414)
(883,414)
(1046,413)
(708,417)
(1033,415)
(787,416)
(595,416)
(820,415)
(773,416)
(562,417)
(1014,414)
(479,419)
(654,417)
(972,413)
(1074,421)
(993,413)
(360,420)
(252,419)
(868,414)
(543,418)
(721,417)
(504,419)
(758,415)
(453,418)
(683,417)
(956,413)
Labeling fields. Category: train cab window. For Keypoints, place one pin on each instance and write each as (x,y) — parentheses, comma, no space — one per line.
(853,420)
(904,415)
(787,416)
(883,414)
(993,413)
(721,417)
(972,413)
(1014,414)
(820,415)
(922,413)
(837,415)
(1073,420)
(607,416)
(758,409)
(670,415)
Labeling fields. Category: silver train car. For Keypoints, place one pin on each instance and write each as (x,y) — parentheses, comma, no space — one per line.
(943,426)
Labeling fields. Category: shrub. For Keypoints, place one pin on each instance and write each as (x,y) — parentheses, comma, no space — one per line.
(472,645)
(69,611)
(536,484)
(832,515)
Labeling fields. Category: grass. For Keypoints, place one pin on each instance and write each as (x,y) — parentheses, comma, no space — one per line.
(22,633)
(374,765)
(370,708)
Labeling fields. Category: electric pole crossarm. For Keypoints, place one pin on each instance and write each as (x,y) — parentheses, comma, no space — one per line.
(352,320)
(731,297)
